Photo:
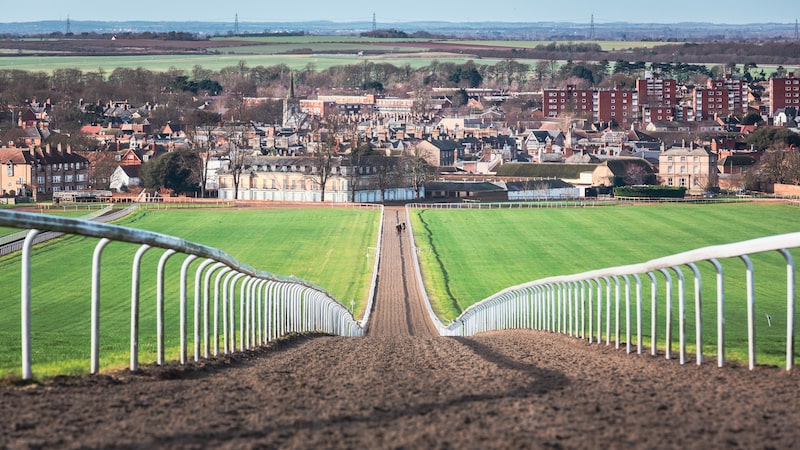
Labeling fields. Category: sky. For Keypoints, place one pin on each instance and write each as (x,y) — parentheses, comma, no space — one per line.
(387,12)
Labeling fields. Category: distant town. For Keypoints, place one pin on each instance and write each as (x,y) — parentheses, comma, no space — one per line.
(376,132)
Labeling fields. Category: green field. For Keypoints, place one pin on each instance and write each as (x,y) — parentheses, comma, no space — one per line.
(267,51)
(163,63)
(468,255)
(327,247)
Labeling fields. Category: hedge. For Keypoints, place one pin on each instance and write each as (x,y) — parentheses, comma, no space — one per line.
(650,191)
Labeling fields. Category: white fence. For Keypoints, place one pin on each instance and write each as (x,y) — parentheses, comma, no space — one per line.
(589,305)
(269,306)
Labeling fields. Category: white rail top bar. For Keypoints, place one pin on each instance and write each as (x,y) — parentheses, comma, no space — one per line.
(119,233)
(734,250)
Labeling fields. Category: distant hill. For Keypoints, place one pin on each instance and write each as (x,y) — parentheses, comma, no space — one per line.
(473,30)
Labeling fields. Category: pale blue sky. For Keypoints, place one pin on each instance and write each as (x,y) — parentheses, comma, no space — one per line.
(579,11)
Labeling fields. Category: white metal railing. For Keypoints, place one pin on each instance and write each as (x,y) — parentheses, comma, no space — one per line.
(582,305)
(270,306)
(20,235)
(375,266)
(527,204)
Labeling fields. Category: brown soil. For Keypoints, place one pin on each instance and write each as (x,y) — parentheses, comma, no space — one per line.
(403,387)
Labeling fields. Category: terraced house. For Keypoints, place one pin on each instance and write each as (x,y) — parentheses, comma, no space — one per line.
(39,172)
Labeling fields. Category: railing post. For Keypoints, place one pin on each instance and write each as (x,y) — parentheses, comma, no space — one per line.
(217,281)
(617,312)
(135,275)
(720,312)
(244,312)
(98,251)
(590,309)
(608,311)
(638,314)
(600,309)
(681,314)
(25,288)
(653,313)
(226,297)
(184,270)
(232,308)
(628,339)
(198,291)
(751,312)
(668,308)
(160,305)
(789,308)
(698,312)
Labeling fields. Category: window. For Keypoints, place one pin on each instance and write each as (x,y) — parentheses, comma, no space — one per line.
(683,181)
(669,181)
(39,180)
(696,169)
(669,169)
(683,169)
(10,169)
(56,178)
(669,158)
(67,178)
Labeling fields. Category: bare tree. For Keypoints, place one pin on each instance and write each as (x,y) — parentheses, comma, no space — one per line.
(778,165)
(359,157)
(416,169)
(199,129)
(385,172)
(236,154)
(325,144)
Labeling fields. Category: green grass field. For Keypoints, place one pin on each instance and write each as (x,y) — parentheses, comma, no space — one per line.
(162,63)
(266,53)
(468,255)
(327,247)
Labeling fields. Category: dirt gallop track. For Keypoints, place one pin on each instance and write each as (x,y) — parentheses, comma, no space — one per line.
(402,387)
(400,309)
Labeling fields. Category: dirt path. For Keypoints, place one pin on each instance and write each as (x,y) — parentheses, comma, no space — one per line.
(399,307)
(400,387)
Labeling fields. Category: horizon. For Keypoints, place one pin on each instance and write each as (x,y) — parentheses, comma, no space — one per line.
(360,11)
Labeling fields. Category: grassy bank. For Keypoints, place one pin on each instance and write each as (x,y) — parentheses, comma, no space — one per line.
(468,255)
(324,246)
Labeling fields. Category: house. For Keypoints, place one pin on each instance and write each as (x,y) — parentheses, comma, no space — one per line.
(733,169)
(39,172)
(544,141)
(694,168)
(295,179)
(623,171)
(438,152)
(125,177)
